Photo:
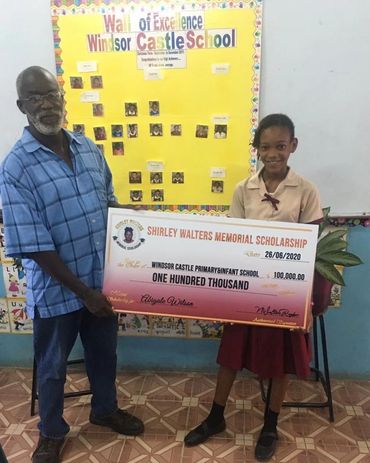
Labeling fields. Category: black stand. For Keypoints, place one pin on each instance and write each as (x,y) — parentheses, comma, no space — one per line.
(34,395)
(2,456)
(324,378)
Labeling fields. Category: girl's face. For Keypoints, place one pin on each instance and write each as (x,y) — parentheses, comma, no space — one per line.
(276,145)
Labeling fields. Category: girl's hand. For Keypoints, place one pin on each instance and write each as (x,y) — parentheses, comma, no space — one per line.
(309,321)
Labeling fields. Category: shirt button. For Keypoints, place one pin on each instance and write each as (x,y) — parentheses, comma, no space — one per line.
(93,221)
(97,243)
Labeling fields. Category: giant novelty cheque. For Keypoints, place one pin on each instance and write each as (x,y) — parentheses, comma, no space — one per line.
(206,267)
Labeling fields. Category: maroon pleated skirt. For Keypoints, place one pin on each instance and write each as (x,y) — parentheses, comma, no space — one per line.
(267,352)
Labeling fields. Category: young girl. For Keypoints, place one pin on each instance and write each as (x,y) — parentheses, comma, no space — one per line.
(274,193)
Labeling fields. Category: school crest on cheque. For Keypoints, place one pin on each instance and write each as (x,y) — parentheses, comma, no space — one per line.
(128,234)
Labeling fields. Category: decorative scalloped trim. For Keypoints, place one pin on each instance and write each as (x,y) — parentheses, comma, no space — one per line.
(58,57)
(79,6)
(188,209)
(256,83)
(350,221)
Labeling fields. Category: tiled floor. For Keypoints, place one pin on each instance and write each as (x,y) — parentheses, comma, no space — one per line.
(171,404)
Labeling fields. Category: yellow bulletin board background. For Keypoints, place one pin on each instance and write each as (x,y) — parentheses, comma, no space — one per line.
(215,85)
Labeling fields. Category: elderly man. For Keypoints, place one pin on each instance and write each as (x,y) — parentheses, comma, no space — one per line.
(56,188)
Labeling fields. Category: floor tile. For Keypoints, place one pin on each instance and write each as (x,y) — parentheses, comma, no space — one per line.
(171,404)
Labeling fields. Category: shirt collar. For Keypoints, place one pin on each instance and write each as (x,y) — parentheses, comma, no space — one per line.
(31,144)
(255,181)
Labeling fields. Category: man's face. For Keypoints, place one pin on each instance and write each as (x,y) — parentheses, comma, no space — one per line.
(42,102)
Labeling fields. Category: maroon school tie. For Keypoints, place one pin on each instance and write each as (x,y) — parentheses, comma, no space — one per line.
(272,200)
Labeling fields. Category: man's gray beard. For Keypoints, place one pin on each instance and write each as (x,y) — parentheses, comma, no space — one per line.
(45,129)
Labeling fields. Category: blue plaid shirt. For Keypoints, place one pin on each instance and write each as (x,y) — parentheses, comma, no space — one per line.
(47,207)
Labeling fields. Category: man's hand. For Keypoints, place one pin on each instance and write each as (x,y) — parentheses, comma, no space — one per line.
(94,300)
(98,304)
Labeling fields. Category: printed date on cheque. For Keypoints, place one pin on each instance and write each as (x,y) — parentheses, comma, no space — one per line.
(282,255)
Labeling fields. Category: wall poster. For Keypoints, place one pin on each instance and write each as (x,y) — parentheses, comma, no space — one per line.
(168,90)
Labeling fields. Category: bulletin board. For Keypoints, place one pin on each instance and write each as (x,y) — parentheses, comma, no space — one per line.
(168,90)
